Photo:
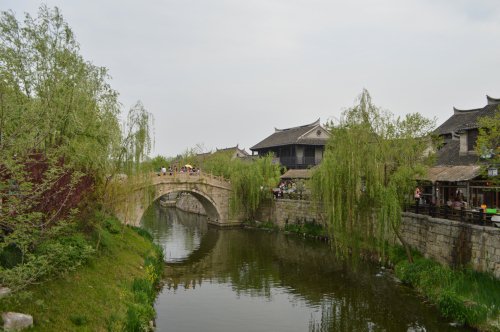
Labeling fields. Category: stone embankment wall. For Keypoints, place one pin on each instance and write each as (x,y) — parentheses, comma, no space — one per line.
(288,211)
(454,243)
(189,203)
(446,241)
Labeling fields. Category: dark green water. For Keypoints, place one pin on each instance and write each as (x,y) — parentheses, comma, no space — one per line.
(250,280)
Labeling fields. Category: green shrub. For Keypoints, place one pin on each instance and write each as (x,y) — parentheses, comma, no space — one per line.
(52,257)
(112,226)
(66,253)
(25,274)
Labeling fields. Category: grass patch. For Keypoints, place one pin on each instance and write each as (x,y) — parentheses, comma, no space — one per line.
(465,296)
(99,294)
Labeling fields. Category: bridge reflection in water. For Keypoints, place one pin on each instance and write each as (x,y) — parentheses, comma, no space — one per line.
(248,280)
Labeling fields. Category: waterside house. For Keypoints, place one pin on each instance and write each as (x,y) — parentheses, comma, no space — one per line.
(234,152)
(295,148)
(459,171)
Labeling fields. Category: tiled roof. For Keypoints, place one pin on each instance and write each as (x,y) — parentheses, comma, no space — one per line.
(234,149)
(449,154)
(452,173)
(467,119)
(462,120)
(297,174)
(290,136)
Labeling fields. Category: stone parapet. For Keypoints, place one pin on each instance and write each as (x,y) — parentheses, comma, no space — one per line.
(454,243)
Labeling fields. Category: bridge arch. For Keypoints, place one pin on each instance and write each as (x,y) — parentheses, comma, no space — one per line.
(210,206)
(212,192)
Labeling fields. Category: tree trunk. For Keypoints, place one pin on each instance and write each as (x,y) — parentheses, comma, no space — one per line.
(405,245)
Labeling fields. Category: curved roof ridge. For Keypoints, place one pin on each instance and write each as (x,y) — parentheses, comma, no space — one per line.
(492,101)
(459,111)
(315,123)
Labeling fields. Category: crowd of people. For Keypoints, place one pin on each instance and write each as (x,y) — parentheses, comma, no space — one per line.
(184,169)
(456,201)
(284,187)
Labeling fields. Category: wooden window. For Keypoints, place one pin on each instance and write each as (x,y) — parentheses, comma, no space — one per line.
(471,139)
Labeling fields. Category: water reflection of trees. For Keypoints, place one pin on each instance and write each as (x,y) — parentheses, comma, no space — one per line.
(175,229)
(256,263)
(350,299)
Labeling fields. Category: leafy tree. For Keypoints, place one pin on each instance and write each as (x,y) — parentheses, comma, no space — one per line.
(368,171)
(60,142)
(219,163)
(488,140)
(251,181)
(52,100)
(137,139)
(156,163)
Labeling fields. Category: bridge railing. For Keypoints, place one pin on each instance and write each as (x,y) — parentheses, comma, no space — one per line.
(189,175)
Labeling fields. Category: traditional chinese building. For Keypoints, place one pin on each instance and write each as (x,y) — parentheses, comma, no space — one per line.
(235,152)
(297,147)
(459,171)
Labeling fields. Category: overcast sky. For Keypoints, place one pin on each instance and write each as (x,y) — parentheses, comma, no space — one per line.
(225,72)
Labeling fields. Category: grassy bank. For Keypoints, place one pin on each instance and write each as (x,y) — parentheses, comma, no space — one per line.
(305,229)
(113,291)
(462,295)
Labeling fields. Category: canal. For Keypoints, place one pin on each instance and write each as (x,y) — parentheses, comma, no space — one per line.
(252,280)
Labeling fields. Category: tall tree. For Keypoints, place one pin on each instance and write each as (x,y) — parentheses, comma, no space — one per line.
(368,171)
(60,137)
(488,141)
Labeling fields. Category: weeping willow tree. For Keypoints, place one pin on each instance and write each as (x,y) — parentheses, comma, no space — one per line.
(368,171)
(130,170)
(251,183)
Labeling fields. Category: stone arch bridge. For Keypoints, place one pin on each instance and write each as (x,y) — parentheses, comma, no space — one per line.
(212,192)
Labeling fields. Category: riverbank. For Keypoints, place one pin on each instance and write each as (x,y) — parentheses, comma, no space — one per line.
(463,296)
(113,291)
